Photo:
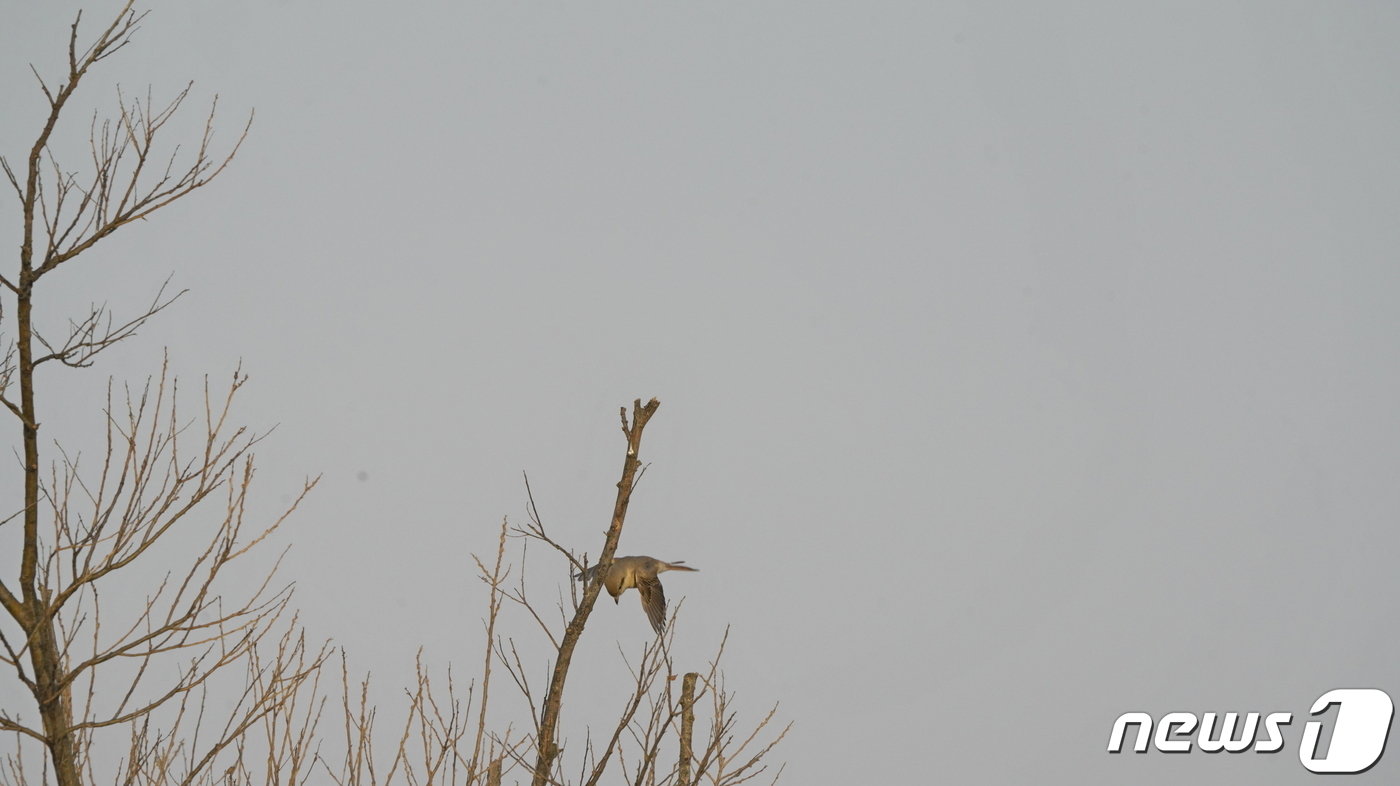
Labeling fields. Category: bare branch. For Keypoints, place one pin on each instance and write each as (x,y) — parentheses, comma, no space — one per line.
(95,332)
(547,747)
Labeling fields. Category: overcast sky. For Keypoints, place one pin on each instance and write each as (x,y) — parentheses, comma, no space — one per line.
(1021,364)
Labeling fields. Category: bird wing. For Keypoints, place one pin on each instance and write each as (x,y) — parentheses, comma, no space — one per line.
(653,601)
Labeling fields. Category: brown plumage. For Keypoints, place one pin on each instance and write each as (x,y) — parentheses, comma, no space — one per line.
(639,572)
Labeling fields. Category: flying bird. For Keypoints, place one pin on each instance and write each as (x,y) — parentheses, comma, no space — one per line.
(639,572)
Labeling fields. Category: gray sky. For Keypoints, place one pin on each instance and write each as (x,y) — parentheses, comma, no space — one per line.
(1020,365)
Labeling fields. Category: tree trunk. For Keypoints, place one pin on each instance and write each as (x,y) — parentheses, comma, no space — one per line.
(687,728)
(45,655)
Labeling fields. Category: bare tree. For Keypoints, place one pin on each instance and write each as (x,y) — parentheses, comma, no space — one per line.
(645,737)
(650,715)
(89,663)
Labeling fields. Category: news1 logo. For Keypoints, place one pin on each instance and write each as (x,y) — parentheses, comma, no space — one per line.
(1358,738)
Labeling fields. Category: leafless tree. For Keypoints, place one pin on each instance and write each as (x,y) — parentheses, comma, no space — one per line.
(90,663)
(646,737)
(651,715)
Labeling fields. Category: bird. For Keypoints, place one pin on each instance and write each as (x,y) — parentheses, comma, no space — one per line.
(639,572)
